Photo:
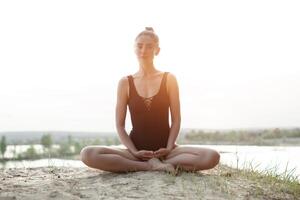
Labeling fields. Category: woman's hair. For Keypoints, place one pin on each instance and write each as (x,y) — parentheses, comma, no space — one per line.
(149,31)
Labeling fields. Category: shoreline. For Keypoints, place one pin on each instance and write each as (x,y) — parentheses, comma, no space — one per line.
(267,158)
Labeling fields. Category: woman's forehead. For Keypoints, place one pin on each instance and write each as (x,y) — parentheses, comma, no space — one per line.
(145,39)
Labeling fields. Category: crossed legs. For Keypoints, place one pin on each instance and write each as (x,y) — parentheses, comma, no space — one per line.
(112,159)
(121,160)
(193,158)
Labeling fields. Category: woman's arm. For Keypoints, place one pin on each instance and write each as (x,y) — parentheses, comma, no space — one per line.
(121,109)
(173,91)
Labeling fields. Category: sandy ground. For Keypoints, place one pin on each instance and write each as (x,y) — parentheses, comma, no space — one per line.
(84,183)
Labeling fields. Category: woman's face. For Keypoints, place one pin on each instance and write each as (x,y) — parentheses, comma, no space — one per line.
(146,48)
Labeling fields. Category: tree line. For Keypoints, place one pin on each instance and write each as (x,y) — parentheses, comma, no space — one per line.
(67,148)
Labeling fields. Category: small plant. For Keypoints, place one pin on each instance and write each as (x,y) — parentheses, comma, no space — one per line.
(3,145)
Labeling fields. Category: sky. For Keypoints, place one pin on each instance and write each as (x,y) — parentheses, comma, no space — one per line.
(237,62)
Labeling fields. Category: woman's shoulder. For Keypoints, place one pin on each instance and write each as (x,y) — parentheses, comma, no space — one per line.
(170,77)
(123,82)
(171,83)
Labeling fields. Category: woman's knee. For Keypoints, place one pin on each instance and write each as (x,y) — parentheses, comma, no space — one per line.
(209,160)
(87,154)
(214,158)
(84,154)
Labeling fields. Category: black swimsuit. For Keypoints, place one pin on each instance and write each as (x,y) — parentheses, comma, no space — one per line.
(149,117)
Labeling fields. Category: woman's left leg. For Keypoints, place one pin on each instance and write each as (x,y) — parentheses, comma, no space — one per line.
(193,158)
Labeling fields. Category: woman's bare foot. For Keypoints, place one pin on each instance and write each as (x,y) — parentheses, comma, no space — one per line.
(157,165)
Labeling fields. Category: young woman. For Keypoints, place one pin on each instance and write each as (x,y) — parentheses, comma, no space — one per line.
(151,145)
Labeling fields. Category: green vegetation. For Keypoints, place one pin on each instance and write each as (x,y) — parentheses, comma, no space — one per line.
(67,148)
(3,145)
(268,183)
(244,137)
(46,141)
(230,183)
(30,153)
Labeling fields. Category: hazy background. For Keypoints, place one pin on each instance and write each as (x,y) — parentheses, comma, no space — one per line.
(237,62)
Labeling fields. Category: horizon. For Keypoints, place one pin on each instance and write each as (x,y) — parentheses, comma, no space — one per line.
(182,129)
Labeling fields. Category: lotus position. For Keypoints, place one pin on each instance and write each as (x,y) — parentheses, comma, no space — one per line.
(150,95)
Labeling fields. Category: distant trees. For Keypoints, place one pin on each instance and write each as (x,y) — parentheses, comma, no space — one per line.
(3,145)
(47,141)
(30,153)
(61,147)
(270,136)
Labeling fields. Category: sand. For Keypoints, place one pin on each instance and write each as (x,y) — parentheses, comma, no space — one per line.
(85,183)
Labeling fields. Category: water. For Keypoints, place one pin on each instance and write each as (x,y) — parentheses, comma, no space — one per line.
(271,158)
(278,158)
(17,149)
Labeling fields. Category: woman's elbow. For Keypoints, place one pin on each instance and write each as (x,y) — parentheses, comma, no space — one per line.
(176,121)
(120,127)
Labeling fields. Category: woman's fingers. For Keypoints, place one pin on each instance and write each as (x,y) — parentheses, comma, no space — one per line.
(149,152)
(161,152)
(146,155)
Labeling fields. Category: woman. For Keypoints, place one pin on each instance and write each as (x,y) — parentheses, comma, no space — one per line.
(150,94)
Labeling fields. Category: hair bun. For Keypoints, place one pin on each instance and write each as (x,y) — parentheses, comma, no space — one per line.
(149,29)
(149,32)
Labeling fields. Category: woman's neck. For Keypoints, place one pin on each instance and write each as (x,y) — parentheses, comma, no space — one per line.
(147,69)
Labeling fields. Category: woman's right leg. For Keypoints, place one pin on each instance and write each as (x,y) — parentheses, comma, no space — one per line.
(112,159)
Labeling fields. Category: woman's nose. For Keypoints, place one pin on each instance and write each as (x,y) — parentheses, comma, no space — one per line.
(143,49)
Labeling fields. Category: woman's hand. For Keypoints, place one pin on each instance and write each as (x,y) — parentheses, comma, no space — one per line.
(144,155)
(162,152)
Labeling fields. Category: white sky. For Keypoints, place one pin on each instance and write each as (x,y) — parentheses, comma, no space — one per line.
(237,62)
